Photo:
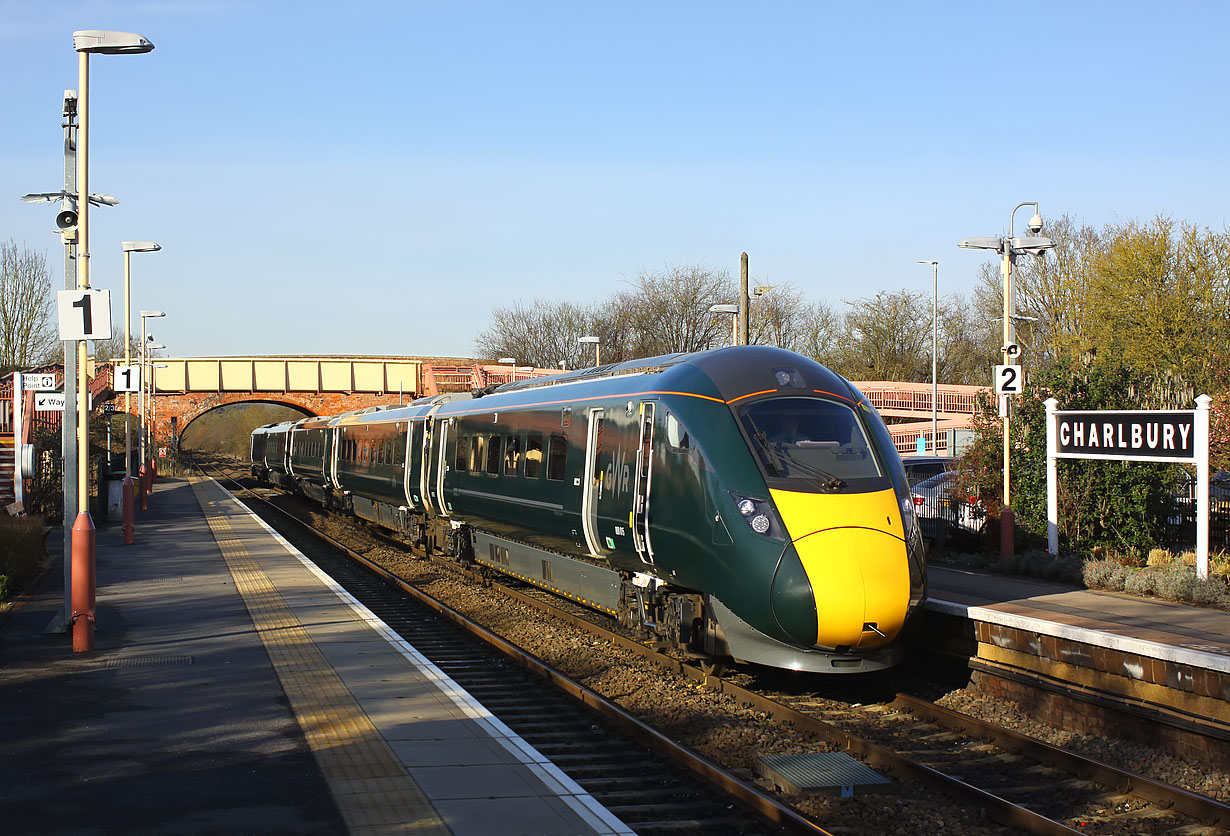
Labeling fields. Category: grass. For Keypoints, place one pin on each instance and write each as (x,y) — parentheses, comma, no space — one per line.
(21,553)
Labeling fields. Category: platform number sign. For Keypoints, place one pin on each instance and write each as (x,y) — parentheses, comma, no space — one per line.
(84,314)
(127,379)
(1009,380)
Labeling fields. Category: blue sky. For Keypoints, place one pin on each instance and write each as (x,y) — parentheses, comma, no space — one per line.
(375,177)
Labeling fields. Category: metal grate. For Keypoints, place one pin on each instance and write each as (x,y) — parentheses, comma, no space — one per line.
(818,772)
(129,662)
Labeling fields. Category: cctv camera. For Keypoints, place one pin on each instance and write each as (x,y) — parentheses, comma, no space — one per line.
(1035,224)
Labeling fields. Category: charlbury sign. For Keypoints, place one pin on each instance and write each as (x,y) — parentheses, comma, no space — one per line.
(1127,435)
(1152,436)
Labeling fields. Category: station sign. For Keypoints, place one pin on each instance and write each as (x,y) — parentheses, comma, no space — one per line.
(49,402)
(1131,436)
(1126,436)
(127,378)
(1007,380)
(84,314)
(38,382)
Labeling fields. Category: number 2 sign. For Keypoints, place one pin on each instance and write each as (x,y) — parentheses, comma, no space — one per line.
(84,314)
(1008,380)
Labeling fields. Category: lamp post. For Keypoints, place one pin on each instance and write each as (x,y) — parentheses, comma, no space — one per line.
(1009,248)
(597,348)
(85,42)
(143,470)
(730,309)
(153,414)
(935,331)
(130,247)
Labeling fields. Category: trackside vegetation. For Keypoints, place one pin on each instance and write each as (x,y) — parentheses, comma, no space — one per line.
(21,553)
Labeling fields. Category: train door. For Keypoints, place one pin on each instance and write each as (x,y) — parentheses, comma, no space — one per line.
(593,482)
(641,484)
(425,462)
(413,460)
(441,464)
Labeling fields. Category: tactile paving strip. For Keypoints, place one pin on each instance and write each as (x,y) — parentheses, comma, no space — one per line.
(371,788)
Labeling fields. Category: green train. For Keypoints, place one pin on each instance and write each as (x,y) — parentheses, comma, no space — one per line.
(743,503)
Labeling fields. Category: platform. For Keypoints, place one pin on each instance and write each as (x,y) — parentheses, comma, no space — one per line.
(1167,660)
(234,688)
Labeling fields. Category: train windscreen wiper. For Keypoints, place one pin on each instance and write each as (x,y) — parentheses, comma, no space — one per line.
(821,478)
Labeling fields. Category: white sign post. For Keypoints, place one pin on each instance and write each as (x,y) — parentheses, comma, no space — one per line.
(1126,436)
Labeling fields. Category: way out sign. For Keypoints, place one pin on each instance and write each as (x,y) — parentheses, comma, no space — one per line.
(84,314)
(1127,436)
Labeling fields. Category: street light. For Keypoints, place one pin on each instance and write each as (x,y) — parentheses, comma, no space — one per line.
(1010,247)
(935,330)
(730,309)
(597,348)
(130,247)
(87,41)
(147,464)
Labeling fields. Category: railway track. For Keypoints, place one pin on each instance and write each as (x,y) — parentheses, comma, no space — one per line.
(1017,781)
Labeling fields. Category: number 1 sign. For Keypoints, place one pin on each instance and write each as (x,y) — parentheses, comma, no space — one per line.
(127,379)
(84,314)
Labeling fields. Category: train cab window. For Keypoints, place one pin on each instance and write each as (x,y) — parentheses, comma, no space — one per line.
(462,459)
(512,455)
(494,454)
(811,441)
(478,454)
(533,456)
(677,437)
(557,458)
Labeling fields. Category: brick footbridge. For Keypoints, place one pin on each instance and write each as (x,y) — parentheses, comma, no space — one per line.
(187,388)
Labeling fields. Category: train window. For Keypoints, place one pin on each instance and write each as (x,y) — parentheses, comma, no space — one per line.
(462,458)
(367,453)
(533,456)
(557,458)
(512,454)
(478,454)
(812,440)
(677,437)
(494,454)
(565,416)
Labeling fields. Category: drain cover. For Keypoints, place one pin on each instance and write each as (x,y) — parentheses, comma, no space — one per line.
(818,772)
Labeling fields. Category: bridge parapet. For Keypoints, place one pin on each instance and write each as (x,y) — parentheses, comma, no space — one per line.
(914,399)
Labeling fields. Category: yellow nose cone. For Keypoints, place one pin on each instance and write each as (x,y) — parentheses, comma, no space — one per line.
(852,548)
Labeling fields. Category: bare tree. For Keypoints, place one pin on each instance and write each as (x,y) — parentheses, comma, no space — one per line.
(670,310)
(27,328)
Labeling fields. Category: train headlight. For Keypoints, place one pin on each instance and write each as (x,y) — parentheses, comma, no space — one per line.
(758,514)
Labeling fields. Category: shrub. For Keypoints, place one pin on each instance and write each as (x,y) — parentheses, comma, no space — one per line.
(1105,574)
(21,552)
(1141,582)
(1160,557)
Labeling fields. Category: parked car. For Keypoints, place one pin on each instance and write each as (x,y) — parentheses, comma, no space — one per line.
(942,511)
(918,468)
